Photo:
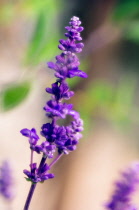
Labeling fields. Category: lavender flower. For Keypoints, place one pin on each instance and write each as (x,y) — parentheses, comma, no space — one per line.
(62,139)
(6,181)
(121,199)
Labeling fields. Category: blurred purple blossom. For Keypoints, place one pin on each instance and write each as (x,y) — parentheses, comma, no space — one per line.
(6,181)
(122,196)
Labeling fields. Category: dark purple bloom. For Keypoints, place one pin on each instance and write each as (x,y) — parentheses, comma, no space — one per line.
(121,199)
(6,181)
(60,91)
(48,131)
(57,109)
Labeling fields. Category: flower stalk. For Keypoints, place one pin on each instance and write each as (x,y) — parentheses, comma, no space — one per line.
(58,139)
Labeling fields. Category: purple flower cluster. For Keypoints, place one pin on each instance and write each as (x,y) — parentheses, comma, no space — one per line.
(62,139)
(121,199)
(6,181)
(35,175)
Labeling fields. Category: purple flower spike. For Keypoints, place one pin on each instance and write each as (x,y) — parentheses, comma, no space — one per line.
(121,199)
(6,181)
(66,66)
(67,63)
(59,138)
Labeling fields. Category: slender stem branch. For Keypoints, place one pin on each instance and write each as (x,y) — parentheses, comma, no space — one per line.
(42,162)
(55,160)
(33,186)
(31,159)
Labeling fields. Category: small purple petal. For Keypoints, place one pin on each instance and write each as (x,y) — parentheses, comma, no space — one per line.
(51,65)
(25,132)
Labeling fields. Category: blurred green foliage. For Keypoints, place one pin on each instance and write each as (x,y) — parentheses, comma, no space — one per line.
(126,14)
(108,101)
(132,31)
(42,43)
(44,17)
(13,95)
(7,12)
(125,10)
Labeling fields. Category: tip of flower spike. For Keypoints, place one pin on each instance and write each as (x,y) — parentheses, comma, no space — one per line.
(74,18)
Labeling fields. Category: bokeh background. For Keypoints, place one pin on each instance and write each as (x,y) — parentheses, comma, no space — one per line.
(108,99)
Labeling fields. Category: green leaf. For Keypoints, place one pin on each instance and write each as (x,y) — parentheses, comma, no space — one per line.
(37,38)
(125,10)
(33,7)
(7,11)
(124,95)
(44,41)
(14,95)
(27,179)
(132,32)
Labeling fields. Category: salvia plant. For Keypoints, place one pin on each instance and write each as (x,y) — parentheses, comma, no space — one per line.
(58,139)
(63,139)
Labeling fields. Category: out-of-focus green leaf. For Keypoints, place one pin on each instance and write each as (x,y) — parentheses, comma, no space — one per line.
(125,91)
(44,39)
(37,38)
(132,32)
(125,10)
(33,7)
(98,95)
(6,12)
(42,44)
(47,51)
(113,103)
(14,95)
(122,104)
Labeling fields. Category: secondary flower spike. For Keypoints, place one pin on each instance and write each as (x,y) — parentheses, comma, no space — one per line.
(58,138)
(6,181)
(121,199)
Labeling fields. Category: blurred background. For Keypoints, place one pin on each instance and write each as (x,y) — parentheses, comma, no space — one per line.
(108,99)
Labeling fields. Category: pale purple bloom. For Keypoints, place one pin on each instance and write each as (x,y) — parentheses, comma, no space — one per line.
(6,181)
(121,198)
